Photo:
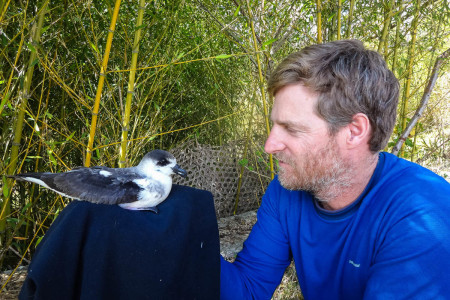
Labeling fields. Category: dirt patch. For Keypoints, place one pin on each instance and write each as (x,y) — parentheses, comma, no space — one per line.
(12,288)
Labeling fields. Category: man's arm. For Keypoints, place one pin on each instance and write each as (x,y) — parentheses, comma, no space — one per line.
(260,266)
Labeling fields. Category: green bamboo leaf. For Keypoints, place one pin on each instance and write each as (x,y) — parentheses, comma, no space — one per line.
(222,56)
(56,214)
(140,27)
(95,48)
(409,143)
(25,208)
(70,136)
(34,62)
(45,29)
(31,47)
(236,12)
(5,187)
(38,241)
(420,125)
(52,158)
(330,17)
(4,100)
(180,55)
(243,162)
(13,220)
(269,42)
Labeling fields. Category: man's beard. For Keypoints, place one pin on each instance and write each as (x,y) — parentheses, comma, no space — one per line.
(323,173)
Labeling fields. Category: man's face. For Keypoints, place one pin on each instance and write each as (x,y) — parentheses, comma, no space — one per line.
(309,158)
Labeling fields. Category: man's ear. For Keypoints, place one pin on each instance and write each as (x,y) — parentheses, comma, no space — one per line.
(359,130)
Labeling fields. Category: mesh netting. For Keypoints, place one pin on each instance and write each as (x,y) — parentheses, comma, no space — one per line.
(217,170)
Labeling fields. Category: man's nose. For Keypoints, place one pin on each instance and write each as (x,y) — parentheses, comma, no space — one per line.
(274,142)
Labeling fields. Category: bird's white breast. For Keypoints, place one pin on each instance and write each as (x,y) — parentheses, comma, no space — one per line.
(154,189)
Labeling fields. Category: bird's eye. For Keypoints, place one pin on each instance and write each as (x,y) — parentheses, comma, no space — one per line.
(162,162)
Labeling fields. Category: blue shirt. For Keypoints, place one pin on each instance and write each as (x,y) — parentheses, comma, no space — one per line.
(393,242)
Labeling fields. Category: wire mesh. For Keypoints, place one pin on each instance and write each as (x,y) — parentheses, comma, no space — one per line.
(217,169)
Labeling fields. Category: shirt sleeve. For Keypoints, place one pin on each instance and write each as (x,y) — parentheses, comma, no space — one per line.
(413,259)
(259,267)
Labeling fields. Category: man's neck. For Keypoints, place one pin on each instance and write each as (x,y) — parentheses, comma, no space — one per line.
(339,196)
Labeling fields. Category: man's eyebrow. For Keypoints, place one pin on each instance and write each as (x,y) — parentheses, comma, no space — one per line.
(291,124)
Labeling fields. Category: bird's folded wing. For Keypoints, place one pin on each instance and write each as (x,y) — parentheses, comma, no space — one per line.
(98,185)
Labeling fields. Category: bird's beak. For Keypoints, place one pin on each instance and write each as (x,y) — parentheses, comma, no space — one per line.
(178,170)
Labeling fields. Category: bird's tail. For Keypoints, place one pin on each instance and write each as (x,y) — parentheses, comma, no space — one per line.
(38,178)
(25,176)
(17,177)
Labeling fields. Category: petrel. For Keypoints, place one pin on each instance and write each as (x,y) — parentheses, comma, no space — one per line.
(142,187)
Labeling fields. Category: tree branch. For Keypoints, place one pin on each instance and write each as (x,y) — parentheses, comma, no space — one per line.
(423,102)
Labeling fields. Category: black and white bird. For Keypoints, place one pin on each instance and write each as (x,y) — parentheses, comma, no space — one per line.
(142,187)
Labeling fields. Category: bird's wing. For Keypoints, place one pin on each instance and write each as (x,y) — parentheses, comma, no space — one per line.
(97,185)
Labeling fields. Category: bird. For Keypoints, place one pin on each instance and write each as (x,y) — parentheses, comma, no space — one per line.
(141,187)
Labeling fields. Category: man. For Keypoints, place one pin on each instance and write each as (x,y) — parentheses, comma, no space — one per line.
(358,223)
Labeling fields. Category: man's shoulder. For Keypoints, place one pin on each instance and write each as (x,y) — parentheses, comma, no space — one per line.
(405,188)
(404,174)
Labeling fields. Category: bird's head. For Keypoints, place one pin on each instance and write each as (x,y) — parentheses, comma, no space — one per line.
(161,161)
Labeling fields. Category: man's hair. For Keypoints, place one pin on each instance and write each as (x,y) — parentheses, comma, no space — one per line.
(349,79)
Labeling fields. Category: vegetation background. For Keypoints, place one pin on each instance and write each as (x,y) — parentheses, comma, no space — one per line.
(101,82)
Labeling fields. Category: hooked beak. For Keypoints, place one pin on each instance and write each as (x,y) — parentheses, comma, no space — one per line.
(178,170)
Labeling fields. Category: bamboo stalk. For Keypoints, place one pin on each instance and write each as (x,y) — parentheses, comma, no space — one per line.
(387,22)
(411,54)
(3,9)
(130,91)
(261,83)
(437,33)
(339,19)
(101,81)
(350,18)
(18,128)
(319,22)
(218,122)
(394,56)
(396,43)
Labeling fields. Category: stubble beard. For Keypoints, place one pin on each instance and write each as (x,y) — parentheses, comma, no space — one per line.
(323,173)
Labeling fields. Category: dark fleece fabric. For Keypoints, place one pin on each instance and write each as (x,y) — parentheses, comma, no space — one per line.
(97,251)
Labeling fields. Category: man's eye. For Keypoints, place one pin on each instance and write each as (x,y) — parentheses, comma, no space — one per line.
(290,130)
